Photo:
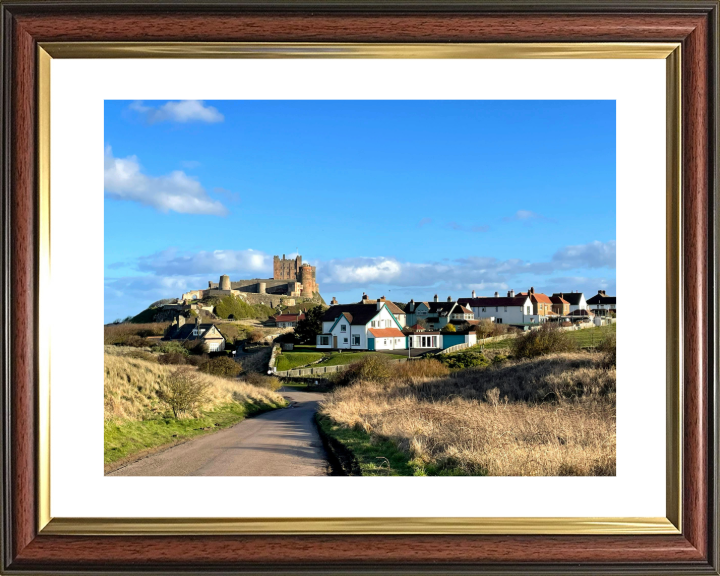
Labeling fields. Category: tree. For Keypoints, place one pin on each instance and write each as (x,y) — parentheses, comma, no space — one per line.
(449,328)
(309,327)
(484,329)
(183,391)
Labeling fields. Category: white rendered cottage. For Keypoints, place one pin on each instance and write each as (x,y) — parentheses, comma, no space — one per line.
(510,309)
(361,327)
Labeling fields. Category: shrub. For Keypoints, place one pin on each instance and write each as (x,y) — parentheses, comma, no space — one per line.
(546,340)
(172,347)
(256,336)
(417,369)
(463,360)
(222,366)
(173,358)
(262,381)
(449,328)
(183,391)
(607,347)
(141,355)
(136,341)
(374,368)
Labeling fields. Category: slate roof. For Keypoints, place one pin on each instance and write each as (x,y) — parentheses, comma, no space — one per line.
(289,317)
(386,332)
(600,299)
(573,298)
(357,314)
(391,306)
(484,301)
(185,332)
(581,313)
(558,300)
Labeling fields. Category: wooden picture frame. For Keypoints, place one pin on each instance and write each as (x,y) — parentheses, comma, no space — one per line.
(30,545)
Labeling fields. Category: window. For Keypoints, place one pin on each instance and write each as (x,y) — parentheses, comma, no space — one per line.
(528,310)
(434,342)
(505,308)
(343,328)
(499,320)
(496,308)
(385,341)
(356,339)
(345,340)
(483,309)
(324,340)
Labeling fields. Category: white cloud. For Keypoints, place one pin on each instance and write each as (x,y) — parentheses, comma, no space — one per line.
(527,216)
(238,263)
(183,111)
(124,180)
(593,255)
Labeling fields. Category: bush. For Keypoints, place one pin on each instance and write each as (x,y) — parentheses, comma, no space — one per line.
(449,328)
(141,355)
(418,369)
(374,368)
(173,358)
(136,341)
(463,360)
(262,381)
(222,366)
(172,347)
(256,336)
(607,347)
(546,340)
(183,392)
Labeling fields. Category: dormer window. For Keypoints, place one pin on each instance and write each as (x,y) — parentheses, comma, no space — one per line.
(343,328)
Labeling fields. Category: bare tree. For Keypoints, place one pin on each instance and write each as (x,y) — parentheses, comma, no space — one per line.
(484,329)
(183,391)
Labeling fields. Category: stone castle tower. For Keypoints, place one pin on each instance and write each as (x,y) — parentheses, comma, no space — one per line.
(294,269)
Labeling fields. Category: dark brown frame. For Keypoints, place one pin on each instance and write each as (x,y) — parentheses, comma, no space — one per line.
(694,23)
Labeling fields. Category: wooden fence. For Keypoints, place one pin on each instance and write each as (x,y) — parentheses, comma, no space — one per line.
(322,370)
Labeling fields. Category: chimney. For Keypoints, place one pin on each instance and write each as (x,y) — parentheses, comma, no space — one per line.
(435,298)
(496,294)
(382,298)
(531,291)
(364,297)
(511,293)
(380,304)
(601,292)
(412,305)
(197,321)
(180,320)
(334,301)
(473,294)
(449,298)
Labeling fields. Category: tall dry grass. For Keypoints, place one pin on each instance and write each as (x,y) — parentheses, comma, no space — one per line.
(550,416)
(132,384)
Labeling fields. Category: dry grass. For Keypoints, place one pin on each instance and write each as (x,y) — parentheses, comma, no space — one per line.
(131,386)
(550,416)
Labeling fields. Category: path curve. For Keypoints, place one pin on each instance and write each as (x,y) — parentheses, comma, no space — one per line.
(283,442)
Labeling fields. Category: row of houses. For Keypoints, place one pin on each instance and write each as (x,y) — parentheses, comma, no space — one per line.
(383,325)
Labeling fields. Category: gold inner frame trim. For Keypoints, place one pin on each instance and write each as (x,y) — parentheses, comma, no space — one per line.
(671,52)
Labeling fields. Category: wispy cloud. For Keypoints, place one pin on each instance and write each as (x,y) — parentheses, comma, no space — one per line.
(228,194)
(527,216)
(462,228)
(171,262)
(177,192)
(182,111)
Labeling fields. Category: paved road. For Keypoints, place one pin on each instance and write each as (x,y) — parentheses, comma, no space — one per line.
(282,442)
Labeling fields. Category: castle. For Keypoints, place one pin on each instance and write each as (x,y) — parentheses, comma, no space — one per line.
(291,279)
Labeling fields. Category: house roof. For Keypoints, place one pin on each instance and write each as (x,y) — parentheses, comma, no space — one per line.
(601,299)
(417,328)
(394,308)
(463,310)
(537,297)
(558,300)
(356,314)
(573,298)
(581,313)
(185,332)
(386,332)
(289,317)
(493,301)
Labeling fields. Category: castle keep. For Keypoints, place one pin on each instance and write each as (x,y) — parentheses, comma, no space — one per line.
(291,279)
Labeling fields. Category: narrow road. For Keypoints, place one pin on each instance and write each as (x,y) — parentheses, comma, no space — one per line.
(283,442)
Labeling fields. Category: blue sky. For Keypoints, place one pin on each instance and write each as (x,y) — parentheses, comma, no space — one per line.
(398,198)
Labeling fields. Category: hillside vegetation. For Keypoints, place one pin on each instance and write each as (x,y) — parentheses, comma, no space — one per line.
(137,419)
(553,415)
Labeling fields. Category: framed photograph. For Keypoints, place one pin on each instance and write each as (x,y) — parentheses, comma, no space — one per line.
(293,287)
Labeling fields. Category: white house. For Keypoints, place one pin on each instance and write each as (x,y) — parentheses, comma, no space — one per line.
(437,314)
(361,327)
(601,303)
(510,309)
(575,299)
(396,311)
(435,340)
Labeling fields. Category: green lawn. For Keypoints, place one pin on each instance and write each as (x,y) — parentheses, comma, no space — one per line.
(305,354)
(124,439)
(588,337)
(290,360)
